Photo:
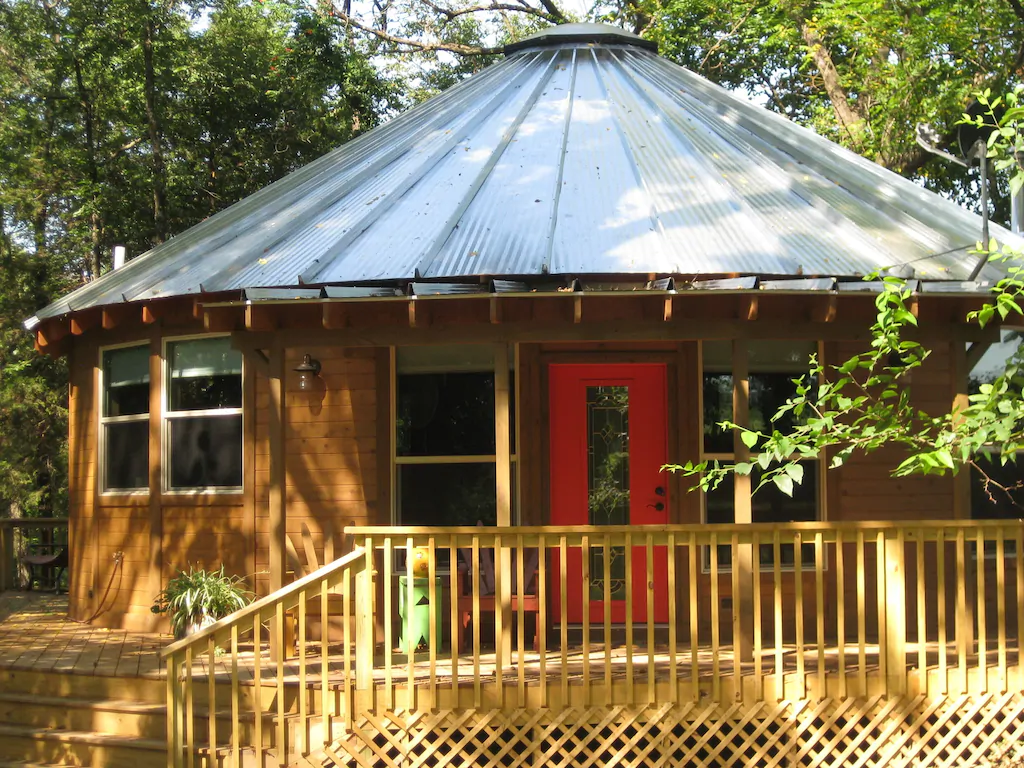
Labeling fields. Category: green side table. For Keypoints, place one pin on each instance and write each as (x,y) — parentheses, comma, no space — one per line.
(415,625)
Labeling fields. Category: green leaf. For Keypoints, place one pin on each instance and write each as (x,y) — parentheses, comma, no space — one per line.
(784,483)
(749,438)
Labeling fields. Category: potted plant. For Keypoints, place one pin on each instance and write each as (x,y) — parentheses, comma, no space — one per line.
(198,598)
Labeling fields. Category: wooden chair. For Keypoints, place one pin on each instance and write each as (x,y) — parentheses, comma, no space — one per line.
(487,599)
(335,602)
(52,567)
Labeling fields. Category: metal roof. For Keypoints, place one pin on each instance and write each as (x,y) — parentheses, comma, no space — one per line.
(582,153)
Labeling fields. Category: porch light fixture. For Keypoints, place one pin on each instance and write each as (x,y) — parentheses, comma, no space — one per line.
(308,370)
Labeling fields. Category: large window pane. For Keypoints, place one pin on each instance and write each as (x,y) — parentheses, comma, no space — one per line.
(447,414)
(126,455)
(205,374)
(126,381)
(206,452)
(447,494)
(768,393)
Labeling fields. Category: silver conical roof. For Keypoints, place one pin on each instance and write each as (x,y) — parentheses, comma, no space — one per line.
(582,152)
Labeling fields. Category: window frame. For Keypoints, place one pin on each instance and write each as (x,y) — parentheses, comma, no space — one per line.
(820,502)
(399,461)
(166,417)
(103,421)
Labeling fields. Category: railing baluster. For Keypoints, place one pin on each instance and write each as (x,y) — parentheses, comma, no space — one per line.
(475,581)
(862,657)
(841,612)
(236,731)
(563,625)
(755,563)
(387,587)
(798,597)
(922,604)
(282,755)
(434,602)
(175,693)
(585,552)
(303,707)
(606,624)
(190,712)
(211,695)
(716,678)
(521,618)
(455,620)
(883,627)
(1001,606)
(501,632)
(257,687)
(649,562)
(407,635)
(673,675)
(737,618)
(819,605)
(780,677)
(630,688)
(979,568)
(691,555)
(940,608)
(346,611)
(963,630)
(325,689)
(542,618)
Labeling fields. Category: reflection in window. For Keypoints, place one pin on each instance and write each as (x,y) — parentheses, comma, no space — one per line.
(608,481)
(444,435)
(773,368)
(124,418)
(204,414)
(991,502)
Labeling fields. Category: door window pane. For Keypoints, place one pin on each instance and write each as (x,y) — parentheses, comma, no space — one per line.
(608,481)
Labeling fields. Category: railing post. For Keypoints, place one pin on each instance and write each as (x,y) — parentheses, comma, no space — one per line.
(895,616)
(6,557)
(364,640)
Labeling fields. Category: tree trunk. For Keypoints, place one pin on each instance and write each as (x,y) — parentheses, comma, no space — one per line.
(848,116)
(155,133)
(85,100)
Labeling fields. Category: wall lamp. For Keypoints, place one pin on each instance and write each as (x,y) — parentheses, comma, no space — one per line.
(308,370)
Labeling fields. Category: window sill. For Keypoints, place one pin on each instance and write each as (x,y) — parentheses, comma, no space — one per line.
(123,499)
(231,498)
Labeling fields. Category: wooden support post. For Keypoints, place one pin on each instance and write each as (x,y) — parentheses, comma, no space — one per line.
(743,601)
(156,575)
(364,640)
(6,557)
(895,628)
(503,475)
(962,485)
(278,491)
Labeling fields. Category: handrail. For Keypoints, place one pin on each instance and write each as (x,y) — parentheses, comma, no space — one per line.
(7,527)
(272,729)
(259,607)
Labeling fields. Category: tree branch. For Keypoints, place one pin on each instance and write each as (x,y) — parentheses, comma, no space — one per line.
(417,45)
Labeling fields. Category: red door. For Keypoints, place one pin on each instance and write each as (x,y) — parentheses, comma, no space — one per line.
(608,443)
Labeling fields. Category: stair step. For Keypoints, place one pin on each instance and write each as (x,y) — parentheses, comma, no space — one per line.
(79,748)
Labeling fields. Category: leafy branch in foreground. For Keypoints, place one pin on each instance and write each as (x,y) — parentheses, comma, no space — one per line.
(864,404)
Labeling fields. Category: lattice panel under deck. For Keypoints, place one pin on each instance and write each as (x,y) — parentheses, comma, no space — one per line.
(955,731)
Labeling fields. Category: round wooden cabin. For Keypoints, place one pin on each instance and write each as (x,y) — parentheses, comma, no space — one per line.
(442,321)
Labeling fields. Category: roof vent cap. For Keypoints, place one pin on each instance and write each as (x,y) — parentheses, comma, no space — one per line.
(579,35)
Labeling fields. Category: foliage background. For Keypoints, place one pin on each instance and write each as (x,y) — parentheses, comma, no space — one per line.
(127,121)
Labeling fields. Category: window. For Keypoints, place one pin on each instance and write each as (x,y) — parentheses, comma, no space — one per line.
(995,504)
(124,418)
(203,430)
(444,435)
(773,365)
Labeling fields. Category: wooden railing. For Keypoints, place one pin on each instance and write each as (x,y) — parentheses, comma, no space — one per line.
(28,536)
(721,613)
(231,692)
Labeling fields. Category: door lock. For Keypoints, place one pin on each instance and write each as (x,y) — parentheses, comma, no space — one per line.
(659,491)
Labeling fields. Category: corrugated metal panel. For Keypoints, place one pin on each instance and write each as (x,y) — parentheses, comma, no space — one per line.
(809,284)
(282,294)
(576,155)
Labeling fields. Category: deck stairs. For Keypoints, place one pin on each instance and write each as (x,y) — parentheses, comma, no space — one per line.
(72,719)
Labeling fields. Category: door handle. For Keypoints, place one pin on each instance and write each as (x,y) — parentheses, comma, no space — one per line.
(657,507)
